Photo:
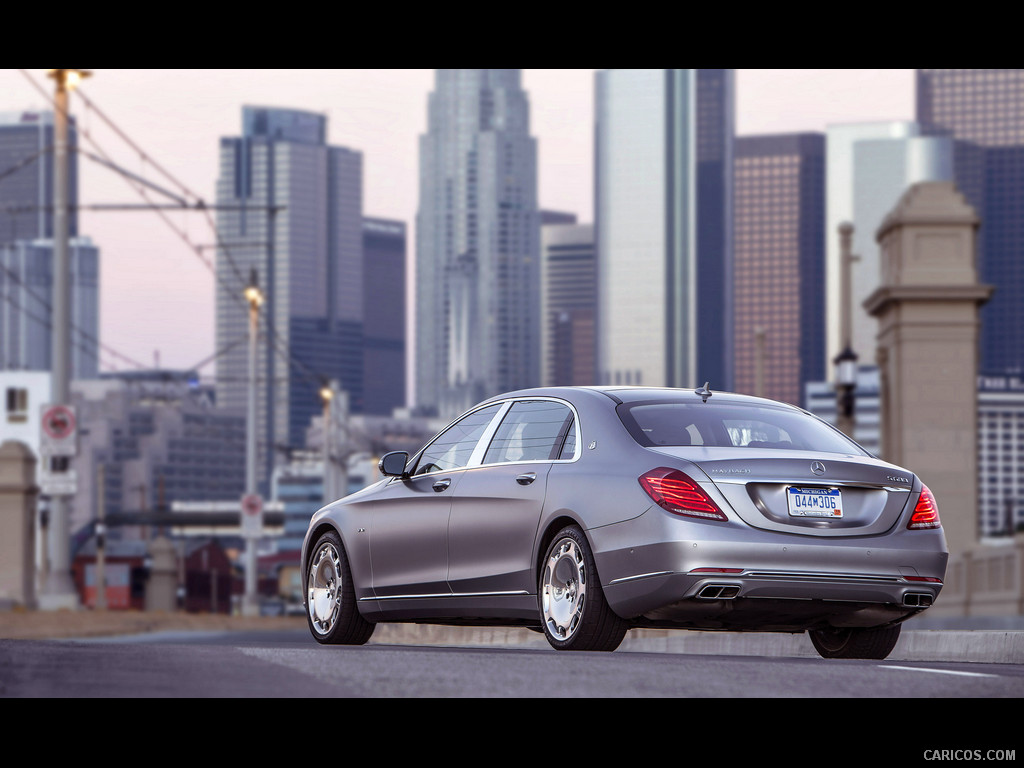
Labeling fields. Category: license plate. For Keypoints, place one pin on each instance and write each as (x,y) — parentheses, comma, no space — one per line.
(815,502)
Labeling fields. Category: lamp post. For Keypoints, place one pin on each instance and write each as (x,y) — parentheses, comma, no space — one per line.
(254,297)
(846,361)
(327,396)
(59,590)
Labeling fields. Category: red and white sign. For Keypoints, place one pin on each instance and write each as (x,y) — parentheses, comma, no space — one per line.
(252,515)
(59,430)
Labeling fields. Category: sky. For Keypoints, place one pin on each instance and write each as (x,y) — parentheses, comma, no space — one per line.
(157,291)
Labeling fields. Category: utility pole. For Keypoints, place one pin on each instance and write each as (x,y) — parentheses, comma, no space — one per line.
(250,604)
(59,590)
(101,536)
(846,361)
(327,396)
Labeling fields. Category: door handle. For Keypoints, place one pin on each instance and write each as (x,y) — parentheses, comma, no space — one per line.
(526,478)
(440,485)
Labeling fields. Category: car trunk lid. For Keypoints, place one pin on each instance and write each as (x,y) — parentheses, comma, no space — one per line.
(804,492)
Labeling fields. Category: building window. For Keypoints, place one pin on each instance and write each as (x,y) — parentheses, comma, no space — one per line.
(17,405)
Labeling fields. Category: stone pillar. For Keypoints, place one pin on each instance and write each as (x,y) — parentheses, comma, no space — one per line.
(162,587)
(17,525)
(927,310)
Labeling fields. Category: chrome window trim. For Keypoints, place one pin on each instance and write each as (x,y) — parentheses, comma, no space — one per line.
(476,458)
(577,452)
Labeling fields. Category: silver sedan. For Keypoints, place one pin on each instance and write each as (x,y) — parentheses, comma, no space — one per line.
(583,512)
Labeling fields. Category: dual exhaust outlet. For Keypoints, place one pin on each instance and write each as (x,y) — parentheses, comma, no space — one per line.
(718,592)
(917,599)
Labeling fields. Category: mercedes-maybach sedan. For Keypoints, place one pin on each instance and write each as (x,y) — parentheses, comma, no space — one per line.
(584,512)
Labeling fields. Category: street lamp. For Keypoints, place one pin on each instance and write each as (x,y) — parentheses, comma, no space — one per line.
(254,297)
(846,361)
(327,396)
(59,590)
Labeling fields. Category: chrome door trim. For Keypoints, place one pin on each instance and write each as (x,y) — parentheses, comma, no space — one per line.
(447,594)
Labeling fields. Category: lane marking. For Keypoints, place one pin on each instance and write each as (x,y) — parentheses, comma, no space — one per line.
(939,671)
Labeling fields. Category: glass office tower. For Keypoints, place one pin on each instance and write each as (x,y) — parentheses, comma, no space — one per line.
(477,242)
(291,210)
(26,190)
(779,264)
(983,111)
(663,222)
(26,251)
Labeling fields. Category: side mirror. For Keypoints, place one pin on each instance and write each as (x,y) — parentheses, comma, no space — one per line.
(393,464)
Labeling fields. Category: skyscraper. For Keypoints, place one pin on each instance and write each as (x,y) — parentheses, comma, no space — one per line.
(26,187)
(26,307)
(779,264)
(291,209)
(384,315)
(26,251)
(983,111)
(569,300)
(663,222)
(477,242)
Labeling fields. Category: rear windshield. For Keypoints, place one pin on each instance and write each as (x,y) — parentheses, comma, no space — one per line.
(737,426)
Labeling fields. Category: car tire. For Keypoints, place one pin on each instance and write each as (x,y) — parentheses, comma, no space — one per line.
(855,642)
(574,613)
(331,610)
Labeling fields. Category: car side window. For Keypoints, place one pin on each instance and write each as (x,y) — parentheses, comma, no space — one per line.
(534,430)
(453,448)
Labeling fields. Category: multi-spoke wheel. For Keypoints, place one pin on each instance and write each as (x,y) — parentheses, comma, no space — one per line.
(573,610)
(855,642)
(330,598)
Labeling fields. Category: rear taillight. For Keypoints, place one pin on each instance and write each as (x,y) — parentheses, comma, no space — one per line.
(926,513)
(676,492)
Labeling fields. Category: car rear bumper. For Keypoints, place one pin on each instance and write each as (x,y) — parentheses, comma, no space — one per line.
(666,569)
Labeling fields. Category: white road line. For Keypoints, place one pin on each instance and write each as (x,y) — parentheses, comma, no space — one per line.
(939,671)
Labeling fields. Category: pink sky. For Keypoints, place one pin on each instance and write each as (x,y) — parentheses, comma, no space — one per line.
(156,293)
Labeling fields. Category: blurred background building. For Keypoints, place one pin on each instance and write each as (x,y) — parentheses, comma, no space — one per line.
(477,250)
(568,301)
(778,304)
(298,223)
(663,226)
(982,111)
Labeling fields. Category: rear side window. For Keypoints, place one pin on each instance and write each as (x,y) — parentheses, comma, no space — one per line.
(731,426)
(534,430)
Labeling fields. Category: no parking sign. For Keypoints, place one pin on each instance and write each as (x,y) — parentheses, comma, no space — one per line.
(252,515)
(59,430)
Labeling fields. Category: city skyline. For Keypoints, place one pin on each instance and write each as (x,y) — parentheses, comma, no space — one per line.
(157,294)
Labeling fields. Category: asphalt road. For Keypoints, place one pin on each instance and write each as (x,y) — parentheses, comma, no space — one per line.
(289,664)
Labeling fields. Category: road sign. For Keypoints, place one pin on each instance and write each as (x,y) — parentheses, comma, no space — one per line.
(59,431)
(52,483)
(252,515)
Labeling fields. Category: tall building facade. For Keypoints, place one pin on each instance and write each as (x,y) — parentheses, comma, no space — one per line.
(779,307)
(26,250)
(663,226)
(26,189)
(477,242)
(290,209)
(384,250)
(569,300)
(983,111)
(869,167)
(26,310)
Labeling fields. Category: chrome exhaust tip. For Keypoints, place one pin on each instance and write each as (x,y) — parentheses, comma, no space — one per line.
(917,599)
(718,592)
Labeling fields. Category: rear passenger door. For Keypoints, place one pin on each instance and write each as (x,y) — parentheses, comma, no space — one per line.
(497,506)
